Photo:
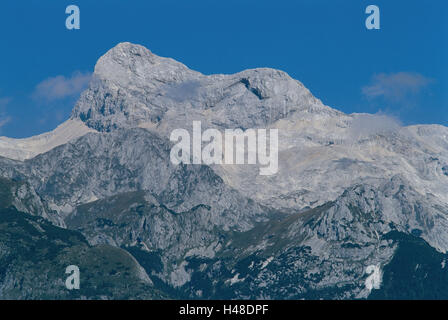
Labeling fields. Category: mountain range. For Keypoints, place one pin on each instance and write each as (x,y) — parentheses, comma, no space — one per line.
(358,198)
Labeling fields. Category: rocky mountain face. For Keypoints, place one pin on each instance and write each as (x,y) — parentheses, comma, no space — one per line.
(34,255)
(353,197)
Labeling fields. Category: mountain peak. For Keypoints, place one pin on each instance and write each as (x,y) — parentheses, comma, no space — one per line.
(132,86)
(127,61)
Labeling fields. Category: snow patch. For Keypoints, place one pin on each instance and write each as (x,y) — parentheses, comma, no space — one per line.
(265,263)
(180,276)
(235,279)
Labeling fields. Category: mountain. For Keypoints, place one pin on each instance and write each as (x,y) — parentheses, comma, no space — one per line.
(34,255)
(354,194)
(21,149)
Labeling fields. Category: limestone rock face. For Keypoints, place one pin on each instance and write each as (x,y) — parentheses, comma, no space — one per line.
(353,193)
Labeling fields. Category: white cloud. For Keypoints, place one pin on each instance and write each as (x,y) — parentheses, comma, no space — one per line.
(4,101)
(395,86)
(184,91)
(3,118)
(365,125)
(60,87)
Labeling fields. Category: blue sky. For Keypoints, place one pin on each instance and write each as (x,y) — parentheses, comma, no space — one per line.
(401,69)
